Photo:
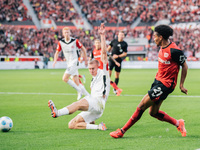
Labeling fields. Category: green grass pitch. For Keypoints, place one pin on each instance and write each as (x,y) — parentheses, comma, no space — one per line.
(24,95)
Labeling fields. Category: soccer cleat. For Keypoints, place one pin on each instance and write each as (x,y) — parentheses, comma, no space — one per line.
(119,92)
(181,127)
(114,91)
(117,134)
(102,126)
(79,95)
(54,111)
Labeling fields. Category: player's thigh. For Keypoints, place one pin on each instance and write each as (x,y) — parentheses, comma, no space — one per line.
(90,116)
(155,107)
(111,65)
(145,103)
(118,69)
(66,76)
(73,70)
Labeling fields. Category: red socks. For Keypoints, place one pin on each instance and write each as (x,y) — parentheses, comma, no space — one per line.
(162,116)
(114,85)
(134,118)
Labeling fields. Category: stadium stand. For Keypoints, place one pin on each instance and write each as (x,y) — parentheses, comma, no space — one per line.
(13,10)
(58,10)
(174,10)
(112,12)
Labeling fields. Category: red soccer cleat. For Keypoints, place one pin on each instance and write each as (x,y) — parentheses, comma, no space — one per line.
(117,134)
(181,127)
(119,92)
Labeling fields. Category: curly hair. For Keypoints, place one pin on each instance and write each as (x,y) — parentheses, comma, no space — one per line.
(164,30)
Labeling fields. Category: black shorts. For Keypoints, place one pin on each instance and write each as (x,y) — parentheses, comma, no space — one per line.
(112,65)
(159,91)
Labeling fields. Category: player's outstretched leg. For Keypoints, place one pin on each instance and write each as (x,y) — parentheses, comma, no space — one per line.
(181,127)
(54,111)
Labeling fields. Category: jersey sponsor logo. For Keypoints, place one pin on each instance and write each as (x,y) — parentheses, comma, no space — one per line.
(163,61)
(166,55)
(182,58)
(97,56)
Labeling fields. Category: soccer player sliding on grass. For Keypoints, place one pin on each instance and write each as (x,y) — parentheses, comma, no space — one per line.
(92,106)
(170,58)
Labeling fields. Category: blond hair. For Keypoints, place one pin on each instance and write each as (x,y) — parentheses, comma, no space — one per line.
(65,28)
(93,61)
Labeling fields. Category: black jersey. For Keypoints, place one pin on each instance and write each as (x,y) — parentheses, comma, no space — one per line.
(118,48)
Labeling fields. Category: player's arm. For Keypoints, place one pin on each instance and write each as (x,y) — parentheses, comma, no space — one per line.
(55,58)
(56,54)
(183,76)
(104,57)
(124,54)
(83,49)
(109,48)
(179,58)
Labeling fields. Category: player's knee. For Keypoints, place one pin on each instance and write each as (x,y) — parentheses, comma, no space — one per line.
(71,125)
(65,79)
(152,114)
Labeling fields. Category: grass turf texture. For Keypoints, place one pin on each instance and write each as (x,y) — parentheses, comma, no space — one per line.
(34,128)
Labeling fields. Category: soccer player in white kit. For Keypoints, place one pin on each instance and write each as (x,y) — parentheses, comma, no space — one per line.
(92,106)
(70,47)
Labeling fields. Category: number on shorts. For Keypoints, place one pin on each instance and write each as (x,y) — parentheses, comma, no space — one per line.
(157,92)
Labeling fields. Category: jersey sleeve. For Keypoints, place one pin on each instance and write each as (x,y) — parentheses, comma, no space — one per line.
(125,47)
(59,48)
(111,43)
(178,56)
(78,44)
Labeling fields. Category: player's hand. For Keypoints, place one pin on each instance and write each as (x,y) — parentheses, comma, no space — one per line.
(115,56)
(102,29)
(184,90)
(118,64)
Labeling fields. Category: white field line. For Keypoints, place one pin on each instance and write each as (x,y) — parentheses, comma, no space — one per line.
(128,95)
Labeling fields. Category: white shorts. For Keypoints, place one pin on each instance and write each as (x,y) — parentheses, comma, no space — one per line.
(73,70)
(95,110)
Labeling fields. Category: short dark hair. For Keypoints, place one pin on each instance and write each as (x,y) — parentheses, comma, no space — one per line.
(164,30)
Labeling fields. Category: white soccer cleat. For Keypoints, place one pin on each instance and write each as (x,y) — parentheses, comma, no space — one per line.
(54,111)
(79,96)
(102,126)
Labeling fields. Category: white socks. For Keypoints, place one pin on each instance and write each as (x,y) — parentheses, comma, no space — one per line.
(71,83)
(92,126)
(63,111)
(85,92)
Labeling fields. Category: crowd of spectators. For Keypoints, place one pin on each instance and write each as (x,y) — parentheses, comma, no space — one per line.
(174,10)
(32,42)
(13,10)
(113,11)
(58,10)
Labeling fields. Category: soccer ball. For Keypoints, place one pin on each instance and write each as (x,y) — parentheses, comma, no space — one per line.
(5,124)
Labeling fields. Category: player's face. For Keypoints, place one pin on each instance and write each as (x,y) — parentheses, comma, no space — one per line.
(120,36)
(93,69)
(97,44)
(66,33)
(157,39)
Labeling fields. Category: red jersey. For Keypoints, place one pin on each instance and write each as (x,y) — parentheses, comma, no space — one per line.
(169,60)
(96,54)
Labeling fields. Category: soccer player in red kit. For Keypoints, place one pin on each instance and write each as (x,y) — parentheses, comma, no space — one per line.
(170,58)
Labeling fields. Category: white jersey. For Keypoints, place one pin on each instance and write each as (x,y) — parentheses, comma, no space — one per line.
(100,84)
(70,50)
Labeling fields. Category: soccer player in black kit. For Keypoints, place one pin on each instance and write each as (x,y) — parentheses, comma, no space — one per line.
(118,49)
